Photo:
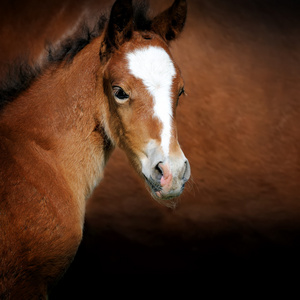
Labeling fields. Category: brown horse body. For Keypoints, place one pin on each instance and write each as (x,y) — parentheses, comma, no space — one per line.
(240,61)
(57,135)
(241,132)
(44,139)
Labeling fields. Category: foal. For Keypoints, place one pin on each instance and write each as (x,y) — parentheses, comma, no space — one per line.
(121,89)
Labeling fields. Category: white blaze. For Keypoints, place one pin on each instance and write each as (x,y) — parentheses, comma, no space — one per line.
(155,68)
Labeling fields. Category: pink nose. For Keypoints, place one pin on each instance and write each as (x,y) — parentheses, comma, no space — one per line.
(166,179)
(162,180)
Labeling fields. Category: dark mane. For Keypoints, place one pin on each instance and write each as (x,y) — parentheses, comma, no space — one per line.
(22,73)
(19,77)
(69,47)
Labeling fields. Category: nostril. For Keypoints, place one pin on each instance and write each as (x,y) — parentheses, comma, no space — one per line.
(158,171)
(187,171)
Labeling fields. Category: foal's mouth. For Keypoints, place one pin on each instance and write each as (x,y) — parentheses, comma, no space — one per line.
(157,190)
(154,186)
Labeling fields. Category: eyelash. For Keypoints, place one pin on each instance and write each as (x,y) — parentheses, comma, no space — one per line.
(119,93)
(182,92)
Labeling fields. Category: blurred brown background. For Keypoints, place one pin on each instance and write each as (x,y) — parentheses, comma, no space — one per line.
(239,126)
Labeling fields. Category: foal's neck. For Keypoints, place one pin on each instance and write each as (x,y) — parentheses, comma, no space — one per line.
(57,115)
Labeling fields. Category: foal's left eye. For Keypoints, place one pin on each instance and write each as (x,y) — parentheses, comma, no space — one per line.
(119,93)
(181,92)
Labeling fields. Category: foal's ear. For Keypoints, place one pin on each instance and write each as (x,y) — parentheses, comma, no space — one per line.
(170,23)
(119,28)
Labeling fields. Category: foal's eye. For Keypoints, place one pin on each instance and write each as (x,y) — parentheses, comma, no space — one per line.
(119,93)
(181,92)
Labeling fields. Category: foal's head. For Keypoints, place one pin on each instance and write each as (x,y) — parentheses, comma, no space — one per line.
(142,85)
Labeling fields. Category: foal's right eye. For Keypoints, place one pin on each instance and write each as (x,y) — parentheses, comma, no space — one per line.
(119,93)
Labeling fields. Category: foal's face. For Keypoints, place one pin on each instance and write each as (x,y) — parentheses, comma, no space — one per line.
(143,85)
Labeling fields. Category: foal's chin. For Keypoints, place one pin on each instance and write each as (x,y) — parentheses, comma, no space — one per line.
(170,199)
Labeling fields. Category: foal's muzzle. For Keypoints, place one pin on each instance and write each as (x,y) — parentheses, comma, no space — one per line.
(167,179)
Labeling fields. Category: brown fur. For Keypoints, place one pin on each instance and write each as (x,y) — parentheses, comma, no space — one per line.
(50,209)
(56,138)
(239,126)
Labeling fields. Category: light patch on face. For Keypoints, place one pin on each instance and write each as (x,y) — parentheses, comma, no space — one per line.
(155,68)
